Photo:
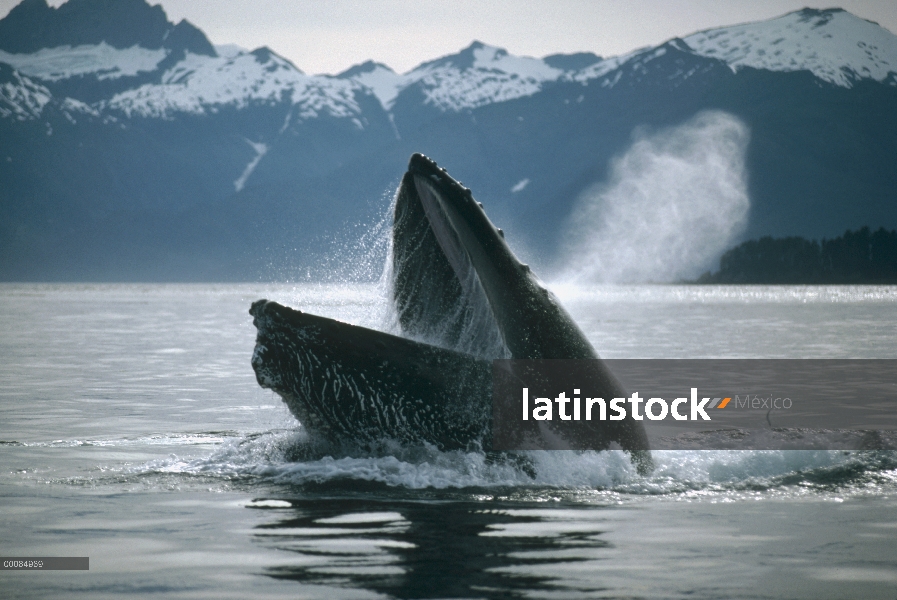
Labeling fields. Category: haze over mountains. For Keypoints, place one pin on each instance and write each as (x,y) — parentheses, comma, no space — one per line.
(133,149)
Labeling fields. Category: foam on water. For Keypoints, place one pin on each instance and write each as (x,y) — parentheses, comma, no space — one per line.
(271,459)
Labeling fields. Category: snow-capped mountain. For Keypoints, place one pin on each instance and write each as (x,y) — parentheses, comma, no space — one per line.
(477,75)
(229,155)
(200,84)
(166,68)
(833,45)
(383,82)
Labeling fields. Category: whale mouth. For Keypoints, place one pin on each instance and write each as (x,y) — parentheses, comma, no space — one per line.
(462,299)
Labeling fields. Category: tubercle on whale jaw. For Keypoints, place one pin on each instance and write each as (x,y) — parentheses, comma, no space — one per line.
(426,167)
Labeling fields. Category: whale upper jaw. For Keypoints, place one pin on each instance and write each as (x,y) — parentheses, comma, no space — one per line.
(532,322)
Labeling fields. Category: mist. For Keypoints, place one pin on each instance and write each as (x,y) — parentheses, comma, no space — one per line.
(673,203)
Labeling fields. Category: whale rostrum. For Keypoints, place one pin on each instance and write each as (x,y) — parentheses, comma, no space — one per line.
(462,299)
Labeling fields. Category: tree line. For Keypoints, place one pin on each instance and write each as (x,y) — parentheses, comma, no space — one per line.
(856,257)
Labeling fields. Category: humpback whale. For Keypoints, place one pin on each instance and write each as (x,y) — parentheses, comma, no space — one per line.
(462,299)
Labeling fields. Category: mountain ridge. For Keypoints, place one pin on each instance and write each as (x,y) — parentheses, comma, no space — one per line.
(476,75)
(33,24)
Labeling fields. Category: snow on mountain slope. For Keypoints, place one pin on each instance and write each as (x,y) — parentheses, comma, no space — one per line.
(20,98)
(202,84)
(383,82)
(607,65)
(477,75)
(71,108)
(834,45)
(481,75)
(102,60)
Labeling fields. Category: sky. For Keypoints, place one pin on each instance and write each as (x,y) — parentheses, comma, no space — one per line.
(329,36)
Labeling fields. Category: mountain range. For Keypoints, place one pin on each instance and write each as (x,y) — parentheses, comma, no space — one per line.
(132,149)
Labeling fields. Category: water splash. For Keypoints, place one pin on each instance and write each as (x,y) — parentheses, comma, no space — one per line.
(675,201)
(358,255)
(278,458)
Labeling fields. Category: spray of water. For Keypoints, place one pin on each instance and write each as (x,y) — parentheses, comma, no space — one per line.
(357,253)
(675,201)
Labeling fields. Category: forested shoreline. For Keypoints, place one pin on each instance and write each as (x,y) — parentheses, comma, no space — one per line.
(860,256)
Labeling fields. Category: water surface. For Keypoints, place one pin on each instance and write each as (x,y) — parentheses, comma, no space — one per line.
(132,431)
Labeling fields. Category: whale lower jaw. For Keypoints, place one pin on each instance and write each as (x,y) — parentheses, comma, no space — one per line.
(349,383)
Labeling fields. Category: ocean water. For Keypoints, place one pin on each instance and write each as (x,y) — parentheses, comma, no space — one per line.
(132,431)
